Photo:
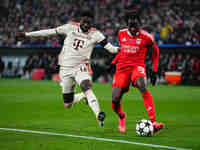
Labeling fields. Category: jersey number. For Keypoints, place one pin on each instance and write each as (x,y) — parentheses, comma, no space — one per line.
(78,44)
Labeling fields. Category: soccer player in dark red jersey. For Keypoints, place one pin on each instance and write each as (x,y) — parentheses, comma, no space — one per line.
(130,69)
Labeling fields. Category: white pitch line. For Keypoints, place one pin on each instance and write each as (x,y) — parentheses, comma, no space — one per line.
(94,138)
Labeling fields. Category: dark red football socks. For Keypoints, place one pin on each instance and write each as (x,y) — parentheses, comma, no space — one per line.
(149,105)
(117,107)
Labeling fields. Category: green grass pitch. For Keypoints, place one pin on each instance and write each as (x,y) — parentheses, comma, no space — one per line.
(38,106)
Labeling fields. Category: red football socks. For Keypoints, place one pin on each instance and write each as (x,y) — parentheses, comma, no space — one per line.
(149,105)
(117,107)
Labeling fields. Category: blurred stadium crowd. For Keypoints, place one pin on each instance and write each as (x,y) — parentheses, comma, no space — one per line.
(170,21)
(187,65)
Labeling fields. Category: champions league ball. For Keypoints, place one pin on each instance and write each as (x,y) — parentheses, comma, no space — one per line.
(144,128)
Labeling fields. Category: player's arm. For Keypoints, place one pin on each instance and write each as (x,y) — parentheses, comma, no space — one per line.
(41,33)
(102,40)
(115,60)
(45,33)
(155,57)
(108,46)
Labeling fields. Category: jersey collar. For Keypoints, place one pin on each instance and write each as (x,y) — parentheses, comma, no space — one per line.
(131,34)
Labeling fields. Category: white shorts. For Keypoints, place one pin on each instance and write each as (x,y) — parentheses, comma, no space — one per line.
(70,76)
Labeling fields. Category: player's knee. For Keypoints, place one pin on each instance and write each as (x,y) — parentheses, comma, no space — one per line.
(141,84)
(68,99)
(85,85)
(142,89)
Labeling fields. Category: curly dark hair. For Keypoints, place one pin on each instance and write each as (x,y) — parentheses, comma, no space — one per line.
(132,15)
(87,14)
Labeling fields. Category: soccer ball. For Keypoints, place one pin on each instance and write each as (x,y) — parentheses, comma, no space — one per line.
(144,128)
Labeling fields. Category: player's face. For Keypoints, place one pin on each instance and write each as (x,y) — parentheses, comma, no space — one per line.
(133,25)
(85,24)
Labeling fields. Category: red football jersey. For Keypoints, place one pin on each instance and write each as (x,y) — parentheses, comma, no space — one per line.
(133,48)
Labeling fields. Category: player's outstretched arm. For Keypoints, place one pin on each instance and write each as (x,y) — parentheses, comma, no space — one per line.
(61,30)
(155,58)
(102,40)
(108,46)
(41,33)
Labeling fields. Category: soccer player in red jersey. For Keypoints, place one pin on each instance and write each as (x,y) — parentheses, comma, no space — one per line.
(130,69)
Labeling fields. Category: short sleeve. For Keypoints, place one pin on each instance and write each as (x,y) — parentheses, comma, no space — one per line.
(150,40)
(99,36)
(64,29)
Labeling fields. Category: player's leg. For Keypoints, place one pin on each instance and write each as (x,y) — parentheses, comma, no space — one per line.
(86,87)
(116,98)
(119,87)
(78,97)
(141,84)
(148,102)
(71,98)
(117,94)
(83,78)
(139,77)
(68,83)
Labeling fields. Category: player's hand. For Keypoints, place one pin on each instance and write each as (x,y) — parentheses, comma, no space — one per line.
(119,49)
(111,69)
(153,77)
(57,67)
(20,35)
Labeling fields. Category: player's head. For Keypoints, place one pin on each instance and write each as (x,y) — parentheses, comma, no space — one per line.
(86,21)
(133,22)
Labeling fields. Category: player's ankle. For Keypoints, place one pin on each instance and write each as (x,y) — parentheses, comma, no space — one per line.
(122,115)
(68,105)
(154,123)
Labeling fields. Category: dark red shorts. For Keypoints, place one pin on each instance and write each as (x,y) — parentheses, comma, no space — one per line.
(123,78)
